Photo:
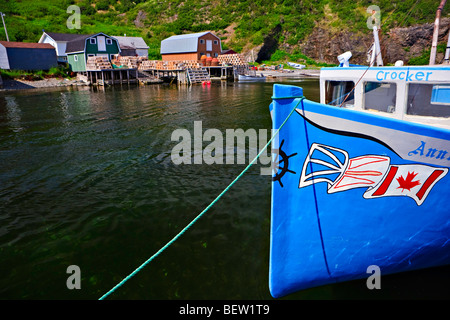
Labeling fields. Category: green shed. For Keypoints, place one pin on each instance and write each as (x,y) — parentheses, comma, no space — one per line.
(79,49)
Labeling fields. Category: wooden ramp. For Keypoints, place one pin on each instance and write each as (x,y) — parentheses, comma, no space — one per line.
(198,75)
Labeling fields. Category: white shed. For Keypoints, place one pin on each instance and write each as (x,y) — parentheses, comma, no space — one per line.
(136,43)
(59,42)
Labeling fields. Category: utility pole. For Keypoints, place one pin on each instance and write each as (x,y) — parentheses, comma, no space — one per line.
(436,33)
(4,26)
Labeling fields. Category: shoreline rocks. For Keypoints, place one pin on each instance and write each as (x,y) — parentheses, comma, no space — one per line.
(17,84)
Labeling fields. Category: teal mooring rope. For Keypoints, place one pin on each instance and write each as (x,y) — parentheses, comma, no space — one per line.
(205,210)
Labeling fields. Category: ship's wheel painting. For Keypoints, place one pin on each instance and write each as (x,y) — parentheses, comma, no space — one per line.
(281,165)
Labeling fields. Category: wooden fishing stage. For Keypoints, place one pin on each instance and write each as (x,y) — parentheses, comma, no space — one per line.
(138,70)
(149,76)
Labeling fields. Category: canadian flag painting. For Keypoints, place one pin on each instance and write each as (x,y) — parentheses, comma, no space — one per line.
(376,173)
(414,181)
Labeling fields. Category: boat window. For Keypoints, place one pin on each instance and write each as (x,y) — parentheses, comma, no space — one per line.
(440,94)
(339,93)
(428,100)
(380,96)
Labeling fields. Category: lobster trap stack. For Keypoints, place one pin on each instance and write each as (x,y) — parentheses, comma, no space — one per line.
(98,63)
(140,69)
(169,65)
(232,59)
(127,62)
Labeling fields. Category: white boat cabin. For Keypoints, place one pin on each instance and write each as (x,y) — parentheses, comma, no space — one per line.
(411,93)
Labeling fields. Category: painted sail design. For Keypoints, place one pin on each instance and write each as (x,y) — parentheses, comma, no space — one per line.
(357,190)
(371,171)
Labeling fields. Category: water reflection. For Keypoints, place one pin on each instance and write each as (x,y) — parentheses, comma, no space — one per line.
(13,114)
(89,181)
(92,181)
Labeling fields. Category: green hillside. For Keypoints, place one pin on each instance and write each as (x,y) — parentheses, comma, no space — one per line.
(241,24)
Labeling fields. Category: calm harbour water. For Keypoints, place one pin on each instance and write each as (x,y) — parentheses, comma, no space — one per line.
(86,179)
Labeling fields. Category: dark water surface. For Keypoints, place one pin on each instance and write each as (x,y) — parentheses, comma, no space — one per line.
(87,179)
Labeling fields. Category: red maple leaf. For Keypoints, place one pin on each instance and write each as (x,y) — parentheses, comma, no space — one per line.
(408,183)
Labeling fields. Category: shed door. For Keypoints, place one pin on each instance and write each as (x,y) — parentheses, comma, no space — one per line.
(101,43)
(208,45)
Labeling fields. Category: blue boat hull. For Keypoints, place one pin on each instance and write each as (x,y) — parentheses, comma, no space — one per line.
(354,190)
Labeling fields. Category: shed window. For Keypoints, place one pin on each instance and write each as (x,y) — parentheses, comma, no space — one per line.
(109,41)
(93,41)
(380,96)
(202,41)
(216,42)
(75,58)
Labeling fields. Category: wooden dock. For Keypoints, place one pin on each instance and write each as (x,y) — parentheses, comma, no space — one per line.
(112,76)
(100,71)
(192,75)
(106,77)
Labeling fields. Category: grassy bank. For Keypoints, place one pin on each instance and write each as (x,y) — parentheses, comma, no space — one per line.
(55,72)
(239,23)
(282,57)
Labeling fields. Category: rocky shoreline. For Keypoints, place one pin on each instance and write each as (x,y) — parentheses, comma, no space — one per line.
(290,73)
(9,84)
(46,83)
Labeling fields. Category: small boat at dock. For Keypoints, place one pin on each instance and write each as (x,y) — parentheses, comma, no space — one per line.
(243,77)
(296,65)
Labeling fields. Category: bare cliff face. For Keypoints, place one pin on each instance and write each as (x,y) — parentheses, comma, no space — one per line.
(324,46)
(397,43)
(405,43)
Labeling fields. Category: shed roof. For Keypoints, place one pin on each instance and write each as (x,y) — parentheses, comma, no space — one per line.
(29,45)
(78,44)
(63,36)
(133,42)
(182,43)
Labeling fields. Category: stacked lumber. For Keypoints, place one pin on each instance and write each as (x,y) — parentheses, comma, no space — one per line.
(232,59)
(98,63)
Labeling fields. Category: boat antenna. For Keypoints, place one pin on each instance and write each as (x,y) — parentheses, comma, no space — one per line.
(376,53)
(375,22)
(376,50)
(436,33)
